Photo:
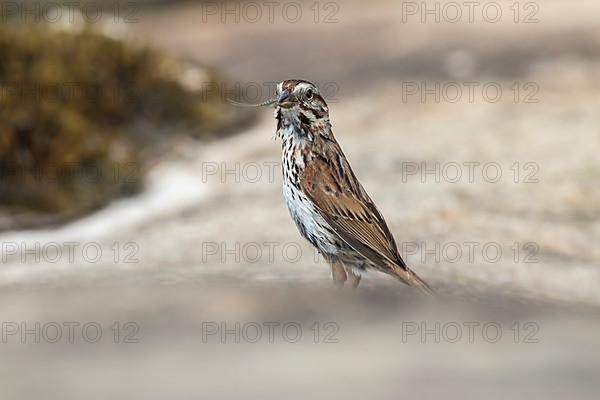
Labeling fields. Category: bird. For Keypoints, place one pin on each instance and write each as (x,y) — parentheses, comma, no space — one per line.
(329,206)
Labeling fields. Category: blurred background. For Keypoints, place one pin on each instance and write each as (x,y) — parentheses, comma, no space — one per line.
(147,251)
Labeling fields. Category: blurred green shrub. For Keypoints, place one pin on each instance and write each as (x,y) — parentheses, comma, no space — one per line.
(73,101)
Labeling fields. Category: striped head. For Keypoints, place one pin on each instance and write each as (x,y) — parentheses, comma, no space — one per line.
(301,110)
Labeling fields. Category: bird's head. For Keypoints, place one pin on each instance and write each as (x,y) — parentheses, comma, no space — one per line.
(301,111)
(302,98)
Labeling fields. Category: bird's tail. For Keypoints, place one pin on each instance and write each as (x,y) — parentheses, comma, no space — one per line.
(407,276)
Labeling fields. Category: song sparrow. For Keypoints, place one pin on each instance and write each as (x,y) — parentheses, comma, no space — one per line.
(328,204)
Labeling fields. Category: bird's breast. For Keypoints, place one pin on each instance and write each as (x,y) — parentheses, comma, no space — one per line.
(309,222)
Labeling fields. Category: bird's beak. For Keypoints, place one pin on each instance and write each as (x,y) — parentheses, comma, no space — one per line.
(285,99)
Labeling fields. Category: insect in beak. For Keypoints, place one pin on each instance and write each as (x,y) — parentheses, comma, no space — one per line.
(266,103)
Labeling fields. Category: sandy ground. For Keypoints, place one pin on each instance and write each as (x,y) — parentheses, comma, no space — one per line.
(204,245)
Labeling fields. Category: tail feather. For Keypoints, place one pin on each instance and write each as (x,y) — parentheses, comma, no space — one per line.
(407,276)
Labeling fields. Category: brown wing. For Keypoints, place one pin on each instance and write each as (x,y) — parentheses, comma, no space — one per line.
(343,203)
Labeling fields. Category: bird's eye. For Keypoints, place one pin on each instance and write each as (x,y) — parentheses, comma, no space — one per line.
(309,94)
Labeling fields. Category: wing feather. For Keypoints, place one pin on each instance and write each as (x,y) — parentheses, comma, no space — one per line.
(345,205)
